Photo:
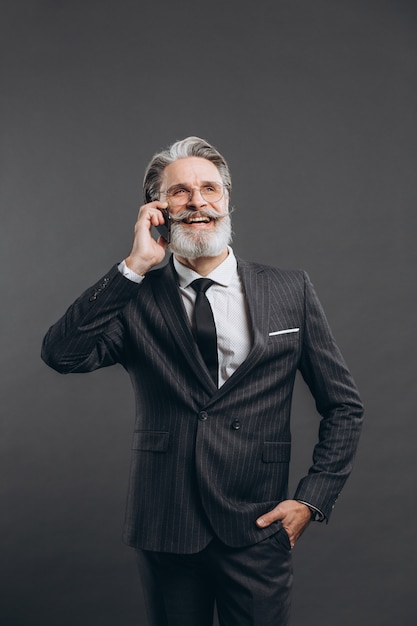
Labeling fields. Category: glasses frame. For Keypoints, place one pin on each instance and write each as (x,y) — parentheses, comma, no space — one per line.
(191,191)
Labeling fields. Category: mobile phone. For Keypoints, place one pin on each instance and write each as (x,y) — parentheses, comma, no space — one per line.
(165,228)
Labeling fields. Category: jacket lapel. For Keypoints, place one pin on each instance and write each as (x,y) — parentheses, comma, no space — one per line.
(168,298)
(257,291)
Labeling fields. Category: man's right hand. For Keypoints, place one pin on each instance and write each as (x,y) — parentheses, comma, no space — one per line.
(146,252)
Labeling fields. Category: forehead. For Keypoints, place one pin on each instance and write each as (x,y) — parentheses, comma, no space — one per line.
(190,170)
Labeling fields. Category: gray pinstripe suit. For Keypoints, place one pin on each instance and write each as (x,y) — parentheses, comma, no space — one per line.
(209,461)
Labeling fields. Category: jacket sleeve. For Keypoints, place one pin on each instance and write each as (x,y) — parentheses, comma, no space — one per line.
(337,400)
(91,335)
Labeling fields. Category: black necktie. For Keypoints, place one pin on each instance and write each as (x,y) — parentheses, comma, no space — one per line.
(204,326)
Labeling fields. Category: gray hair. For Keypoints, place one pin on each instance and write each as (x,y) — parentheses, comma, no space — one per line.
(188,147)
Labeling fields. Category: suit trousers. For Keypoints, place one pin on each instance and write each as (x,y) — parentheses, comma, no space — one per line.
(250,586)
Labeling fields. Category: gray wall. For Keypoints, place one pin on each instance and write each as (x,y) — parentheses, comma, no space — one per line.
(314,106)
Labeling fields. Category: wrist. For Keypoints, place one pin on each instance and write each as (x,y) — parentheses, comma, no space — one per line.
(315,514)
(137,266)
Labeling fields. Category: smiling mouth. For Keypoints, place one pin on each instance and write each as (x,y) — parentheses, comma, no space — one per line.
(197,220)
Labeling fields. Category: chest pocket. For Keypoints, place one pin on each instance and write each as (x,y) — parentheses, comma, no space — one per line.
(150,440)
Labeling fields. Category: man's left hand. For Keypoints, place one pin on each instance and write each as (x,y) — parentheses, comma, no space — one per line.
(294,516)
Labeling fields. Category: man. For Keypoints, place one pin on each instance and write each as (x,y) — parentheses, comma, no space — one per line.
(208,511)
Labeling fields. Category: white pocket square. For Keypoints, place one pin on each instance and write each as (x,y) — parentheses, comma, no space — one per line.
(284,332)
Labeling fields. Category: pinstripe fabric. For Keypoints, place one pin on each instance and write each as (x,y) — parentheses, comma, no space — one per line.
(209,461)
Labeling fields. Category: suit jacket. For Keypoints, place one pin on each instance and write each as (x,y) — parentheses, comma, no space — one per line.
(208,461)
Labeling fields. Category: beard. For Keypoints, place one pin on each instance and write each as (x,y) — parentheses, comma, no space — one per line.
(193,244)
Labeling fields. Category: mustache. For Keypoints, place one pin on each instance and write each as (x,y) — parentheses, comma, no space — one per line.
(209,213)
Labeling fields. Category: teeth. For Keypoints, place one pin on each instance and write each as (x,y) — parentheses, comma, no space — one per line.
(197,220)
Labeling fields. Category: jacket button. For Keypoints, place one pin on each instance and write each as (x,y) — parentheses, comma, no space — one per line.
(236,424)
(203,416)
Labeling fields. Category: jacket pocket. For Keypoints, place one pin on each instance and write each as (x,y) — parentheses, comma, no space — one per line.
(150,440)
(276,452)
(288,332)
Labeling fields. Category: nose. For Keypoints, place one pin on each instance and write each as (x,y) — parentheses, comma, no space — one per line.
(196,199)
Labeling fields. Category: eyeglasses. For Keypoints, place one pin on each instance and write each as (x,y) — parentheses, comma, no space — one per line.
(179,195)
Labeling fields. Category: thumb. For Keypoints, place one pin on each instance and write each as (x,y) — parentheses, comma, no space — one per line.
(268,518)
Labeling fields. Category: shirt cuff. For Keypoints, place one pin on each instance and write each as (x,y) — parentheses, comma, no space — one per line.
(128,273)
(316,514)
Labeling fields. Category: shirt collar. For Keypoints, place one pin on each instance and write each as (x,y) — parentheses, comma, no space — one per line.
(223,274)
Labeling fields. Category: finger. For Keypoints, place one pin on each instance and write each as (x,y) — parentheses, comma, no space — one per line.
(156,204)
(152,214)
(269,518)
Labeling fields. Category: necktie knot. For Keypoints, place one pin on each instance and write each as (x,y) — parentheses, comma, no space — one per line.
(200,285)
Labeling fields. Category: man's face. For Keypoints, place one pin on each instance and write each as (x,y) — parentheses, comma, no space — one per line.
(200,225)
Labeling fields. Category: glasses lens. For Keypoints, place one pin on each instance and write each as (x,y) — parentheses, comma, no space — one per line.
(212,192)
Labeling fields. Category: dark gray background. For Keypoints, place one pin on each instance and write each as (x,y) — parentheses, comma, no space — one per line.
(313,103)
